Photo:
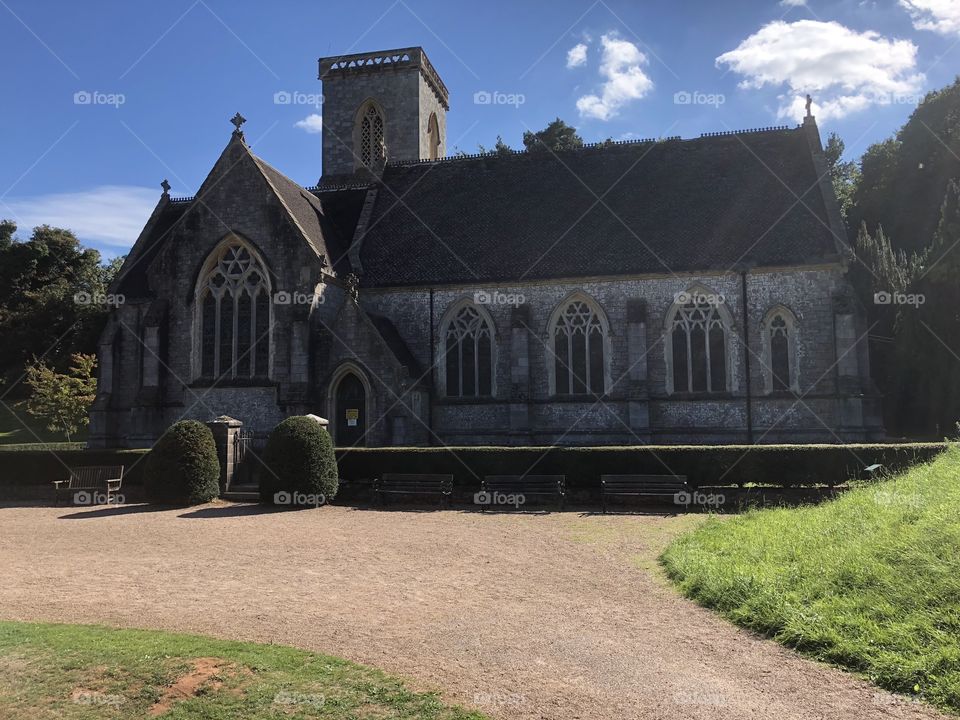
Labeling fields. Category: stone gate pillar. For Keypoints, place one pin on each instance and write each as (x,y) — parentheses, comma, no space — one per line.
(225,431)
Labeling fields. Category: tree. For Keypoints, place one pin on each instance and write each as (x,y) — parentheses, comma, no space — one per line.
(63,400)
(906,204)
(556,136)
(903,179)
(931,350)
(40,280)
(844,174)
(916,365)
(500,148)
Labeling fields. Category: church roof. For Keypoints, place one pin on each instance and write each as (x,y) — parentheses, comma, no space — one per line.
(328,237)
(710,203)
(307,212)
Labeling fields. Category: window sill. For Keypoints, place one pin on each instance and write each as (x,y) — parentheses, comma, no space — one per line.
(481,400)
(206,382)
(586,397)
(725,395)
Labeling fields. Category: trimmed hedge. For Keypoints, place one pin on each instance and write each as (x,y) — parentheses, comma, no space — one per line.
(25,468)
(299,459)
(779,465)
(183,467)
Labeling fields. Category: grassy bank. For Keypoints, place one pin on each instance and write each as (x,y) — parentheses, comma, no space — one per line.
(18,427)
(870,581)
(83,673)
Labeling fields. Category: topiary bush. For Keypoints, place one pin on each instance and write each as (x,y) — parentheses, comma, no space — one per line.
(299,465)
(183,467)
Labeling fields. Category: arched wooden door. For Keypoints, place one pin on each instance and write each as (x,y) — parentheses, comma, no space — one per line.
(350,411)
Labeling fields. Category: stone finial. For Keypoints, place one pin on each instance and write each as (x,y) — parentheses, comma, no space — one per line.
(238,120)
(353,286)
(809,106)
(166,187)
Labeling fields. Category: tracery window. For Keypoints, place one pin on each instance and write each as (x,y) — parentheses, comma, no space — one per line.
(233,297)
(699,344)
(372,149)
(468,354)
(578,342)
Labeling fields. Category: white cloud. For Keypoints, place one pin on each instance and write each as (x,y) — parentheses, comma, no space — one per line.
(312,123)
(845,70)
(625,79)
(108,214)
(577,55)
(940,16)
(793,3)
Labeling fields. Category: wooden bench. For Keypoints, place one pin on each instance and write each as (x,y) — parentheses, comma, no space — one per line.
(105,479)
(652,486)
(527,486)
(413,484)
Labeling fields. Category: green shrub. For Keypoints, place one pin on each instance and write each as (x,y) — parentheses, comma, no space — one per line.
(299,460)
(183,468)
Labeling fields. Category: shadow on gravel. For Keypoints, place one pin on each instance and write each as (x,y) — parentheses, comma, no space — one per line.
(111,510)
(237,510)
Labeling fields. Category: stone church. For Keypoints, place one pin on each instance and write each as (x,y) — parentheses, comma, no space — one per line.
(655,291)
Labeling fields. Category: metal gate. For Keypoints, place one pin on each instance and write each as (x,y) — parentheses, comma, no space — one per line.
(248,447)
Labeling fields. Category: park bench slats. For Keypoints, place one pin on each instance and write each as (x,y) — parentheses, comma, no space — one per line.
(656,486)
(413,484)
(96,478)
(527,485)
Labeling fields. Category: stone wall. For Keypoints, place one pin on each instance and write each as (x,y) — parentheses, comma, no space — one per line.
(638,407)
(406,101)
(156,339)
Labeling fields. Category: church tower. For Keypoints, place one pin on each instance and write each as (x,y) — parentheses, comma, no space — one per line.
(380,107)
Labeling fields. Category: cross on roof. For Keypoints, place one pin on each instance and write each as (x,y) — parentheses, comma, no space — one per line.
(237,121)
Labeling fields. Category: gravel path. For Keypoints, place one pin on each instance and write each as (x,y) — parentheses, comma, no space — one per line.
(548,616)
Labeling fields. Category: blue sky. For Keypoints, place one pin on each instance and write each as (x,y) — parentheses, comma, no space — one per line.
(105,99)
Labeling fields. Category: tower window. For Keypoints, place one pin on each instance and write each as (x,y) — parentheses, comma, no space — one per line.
(372,149)
(433,137)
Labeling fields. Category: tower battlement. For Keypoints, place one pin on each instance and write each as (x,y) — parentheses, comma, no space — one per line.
(385,61)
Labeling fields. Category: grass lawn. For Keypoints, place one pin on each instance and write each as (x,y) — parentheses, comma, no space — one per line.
(13,417)
(870,581)
(81,672)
